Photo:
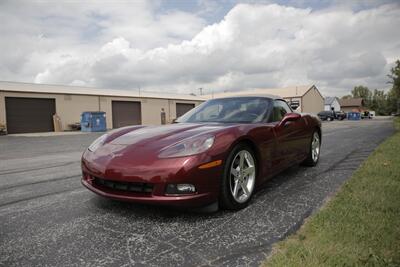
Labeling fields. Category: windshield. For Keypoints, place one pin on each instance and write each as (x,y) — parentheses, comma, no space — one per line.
(234,110)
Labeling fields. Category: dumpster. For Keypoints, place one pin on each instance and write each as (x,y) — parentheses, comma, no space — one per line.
(93,121)
(354,116)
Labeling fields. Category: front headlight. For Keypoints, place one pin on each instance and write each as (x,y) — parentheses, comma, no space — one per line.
(188,147)
(97,143)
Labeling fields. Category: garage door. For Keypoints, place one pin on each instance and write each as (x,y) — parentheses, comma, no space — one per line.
(126,113)
(29,115)
(182,108)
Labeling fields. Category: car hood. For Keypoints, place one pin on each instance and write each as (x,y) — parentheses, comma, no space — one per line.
(161,136)
(136,147)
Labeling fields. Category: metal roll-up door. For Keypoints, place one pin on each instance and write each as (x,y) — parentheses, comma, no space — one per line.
(125,113)
(29,115)
(182,108)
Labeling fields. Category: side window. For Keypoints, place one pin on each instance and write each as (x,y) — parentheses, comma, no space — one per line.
(279,110)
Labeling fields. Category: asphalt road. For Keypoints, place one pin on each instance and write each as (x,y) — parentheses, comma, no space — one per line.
(48,218)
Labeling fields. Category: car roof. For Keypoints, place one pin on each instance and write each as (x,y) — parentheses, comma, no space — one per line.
(273,97)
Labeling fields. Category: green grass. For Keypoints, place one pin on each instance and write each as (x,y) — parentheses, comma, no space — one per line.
(360,226)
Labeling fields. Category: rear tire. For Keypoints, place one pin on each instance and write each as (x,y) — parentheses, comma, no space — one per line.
(239,177)
(314,150)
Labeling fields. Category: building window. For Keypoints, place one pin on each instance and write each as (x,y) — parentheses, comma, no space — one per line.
(294,104)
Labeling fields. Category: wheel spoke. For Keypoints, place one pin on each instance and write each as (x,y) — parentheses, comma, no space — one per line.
(248,171)
(241,161)
(247,159)
(244,187)
(236,188)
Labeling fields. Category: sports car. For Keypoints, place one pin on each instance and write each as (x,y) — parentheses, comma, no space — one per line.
(220,152)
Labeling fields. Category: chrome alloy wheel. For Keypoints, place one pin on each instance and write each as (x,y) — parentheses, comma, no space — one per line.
(315,147)
(242,176)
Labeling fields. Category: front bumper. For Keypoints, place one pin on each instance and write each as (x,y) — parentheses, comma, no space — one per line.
(157,175)
(193,200)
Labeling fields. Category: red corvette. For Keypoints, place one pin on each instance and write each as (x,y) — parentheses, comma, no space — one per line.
(219,152)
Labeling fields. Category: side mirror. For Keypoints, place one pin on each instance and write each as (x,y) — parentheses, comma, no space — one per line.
(289,117)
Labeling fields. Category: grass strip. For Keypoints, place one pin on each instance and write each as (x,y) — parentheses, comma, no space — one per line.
(360,226)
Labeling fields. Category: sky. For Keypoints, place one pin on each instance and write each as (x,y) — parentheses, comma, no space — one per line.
(179,46)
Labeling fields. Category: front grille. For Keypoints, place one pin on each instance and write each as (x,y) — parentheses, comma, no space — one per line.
(124,186)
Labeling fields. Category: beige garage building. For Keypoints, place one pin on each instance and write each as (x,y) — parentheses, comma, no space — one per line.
(27,107)
(302,98)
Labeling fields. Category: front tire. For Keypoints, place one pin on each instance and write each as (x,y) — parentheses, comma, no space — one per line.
(239,178)
(314,150)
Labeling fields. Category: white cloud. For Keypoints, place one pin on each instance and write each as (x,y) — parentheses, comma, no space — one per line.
(132,45)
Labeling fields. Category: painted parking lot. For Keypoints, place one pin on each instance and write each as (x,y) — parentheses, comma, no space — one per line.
(48,218)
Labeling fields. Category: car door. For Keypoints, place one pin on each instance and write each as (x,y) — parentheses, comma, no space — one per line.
(289,137)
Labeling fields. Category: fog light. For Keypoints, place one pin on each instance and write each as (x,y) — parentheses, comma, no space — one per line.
(186,188)
(174,189)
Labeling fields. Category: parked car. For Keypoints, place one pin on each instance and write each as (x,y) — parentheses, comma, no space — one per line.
(372,114)
(219,152)
(340,115)
(326,115)
(366,115)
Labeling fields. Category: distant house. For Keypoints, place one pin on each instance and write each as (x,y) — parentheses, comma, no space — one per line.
(332,103)
(352,104)
(301,98)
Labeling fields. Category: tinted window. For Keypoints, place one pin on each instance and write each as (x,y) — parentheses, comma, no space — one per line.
(239,110)
(279,110)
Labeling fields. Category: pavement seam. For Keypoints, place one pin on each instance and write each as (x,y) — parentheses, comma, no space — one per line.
(5,188)
(12,171)
(38,196)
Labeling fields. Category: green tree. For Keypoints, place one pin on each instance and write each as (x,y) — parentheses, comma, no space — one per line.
(362,92)
(394,93)
(379,102)
(347,96)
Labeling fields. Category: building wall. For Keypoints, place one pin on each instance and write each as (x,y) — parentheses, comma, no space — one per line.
(312,102)
(150,108)
(70,107)
(335,104)
(351,109)
(2,109)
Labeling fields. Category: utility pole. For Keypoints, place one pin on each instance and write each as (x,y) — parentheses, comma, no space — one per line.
(201,90)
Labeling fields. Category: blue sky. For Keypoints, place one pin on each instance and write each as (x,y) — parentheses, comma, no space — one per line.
(214,10)
(179,46)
